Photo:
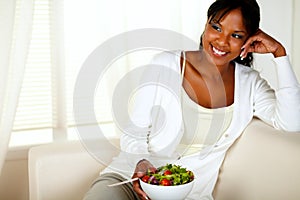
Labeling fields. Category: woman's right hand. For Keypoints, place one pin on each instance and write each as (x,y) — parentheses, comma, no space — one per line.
(261,42)
(140,170)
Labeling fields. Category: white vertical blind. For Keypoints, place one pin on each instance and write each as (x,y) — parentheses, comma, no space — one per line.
(35,104)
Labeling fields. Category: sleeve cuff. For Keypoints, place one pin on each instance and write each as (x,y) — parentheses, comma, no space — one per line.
(285,73)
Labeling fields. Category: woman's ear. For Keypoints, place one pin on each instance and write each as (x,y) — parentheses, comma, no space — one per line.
(201,44)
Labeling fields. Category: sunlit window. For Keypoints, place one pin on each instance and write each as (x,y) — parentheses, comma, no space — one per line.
(63,36)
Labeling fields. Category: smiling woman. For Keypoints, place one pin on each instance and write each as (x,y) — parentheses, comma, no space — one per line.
(65,32)
(216,92)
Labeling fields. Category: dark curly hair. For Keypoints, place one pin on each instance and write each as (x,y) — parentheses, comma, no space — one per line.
(251,17)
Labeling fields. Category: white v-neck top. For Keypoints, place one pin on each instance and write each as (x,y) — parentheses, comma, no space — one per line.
(157,142)
(202,126)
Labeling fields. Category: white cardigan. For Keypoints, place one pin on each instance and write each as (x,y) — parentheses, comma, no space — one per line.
(156,124)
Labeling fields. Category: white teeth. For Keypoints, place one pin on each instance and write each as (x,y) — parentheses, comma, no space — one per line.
(221,53)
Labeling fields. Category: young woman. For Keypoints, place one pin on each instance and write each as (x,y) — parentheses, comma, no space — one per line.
(219,95)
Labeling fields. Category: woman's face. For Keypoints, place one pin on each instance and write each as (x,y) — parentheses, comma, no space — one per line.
(223,40)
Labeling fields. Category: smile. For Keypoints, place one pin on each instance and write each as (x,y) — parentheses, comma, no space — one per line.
(218,52)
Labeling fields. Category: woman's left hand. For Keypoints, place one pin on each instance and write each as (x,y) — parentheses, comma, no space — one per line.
(141,168)
(261,42)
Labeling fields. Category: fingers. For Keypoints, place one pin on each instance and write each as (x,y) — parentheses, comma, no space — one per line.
(139,191)
(244,53)
(141,168)
(247,49)
(250,44)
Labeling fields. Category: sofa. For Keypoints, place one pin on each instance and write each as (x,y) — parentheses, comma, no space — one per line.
(263,164)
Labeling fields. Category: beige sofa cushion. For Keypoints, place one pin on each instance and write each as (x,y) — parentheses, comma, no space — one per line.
(61,171)
(264,164)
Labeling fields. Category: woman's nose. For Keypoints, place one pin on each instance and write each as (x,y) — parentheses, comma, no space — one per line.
(223,40)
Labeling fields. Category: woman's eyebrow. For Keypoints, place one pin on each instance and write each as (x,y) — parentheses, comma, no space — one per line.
(245,32)
(215,21)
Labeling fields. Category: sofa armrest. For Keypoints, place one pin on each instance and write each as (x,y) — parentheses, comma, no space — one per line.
(263,164)
(60,171)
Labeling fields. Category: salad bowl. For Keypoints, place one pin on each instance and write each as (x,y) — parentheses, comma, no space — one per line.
(169,182)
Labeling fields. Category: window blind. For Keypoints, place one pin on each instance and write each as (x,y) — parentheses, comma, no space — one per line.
(40,102)
(34,109)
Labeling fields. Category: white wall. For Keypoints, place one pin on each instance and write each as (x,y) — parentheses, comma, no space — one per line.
(296,37)
(276,20)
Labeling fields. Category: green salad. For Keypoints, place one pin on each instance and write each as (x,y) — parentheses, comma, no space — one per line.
(168,175)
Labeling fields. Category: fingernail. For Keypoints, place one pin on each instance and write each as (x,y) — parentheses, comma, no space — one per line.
(146,198)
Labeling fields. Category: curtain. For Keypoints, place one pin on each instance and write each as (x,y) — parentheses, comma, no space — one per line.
(15,28)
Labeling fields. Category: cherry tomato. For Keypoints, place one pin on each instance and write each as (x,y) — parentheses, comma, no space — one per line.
(165,182)
(190,174)
(145,178)
(167,172)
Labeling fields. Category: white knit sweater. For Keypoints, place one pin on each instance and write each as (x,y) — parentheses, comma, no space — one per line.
(157,118)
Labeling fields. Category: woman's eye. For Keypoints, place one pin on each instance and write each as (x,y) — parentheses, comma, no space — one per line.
(216,27)
(237,36)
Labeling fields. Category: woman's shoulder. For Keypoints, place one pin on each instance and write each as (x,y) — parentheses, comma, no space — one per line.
(168,56)
(245,70)
(169,59)
(247,75)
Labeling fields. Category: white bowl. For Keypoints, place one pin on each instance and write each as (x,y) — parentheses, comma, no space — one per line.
(159,192)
